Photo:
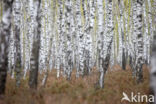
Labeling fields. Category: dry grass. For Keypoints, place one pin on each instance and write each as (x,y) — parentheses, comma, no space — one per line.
(78,91)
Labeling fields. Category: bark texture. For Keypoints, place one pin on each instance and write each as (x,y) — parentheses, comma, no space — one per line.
(34,60)
(4,42)
(137,19)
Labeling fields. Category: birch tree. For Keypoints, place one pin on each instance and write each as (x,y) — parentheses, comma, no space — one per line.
(88,39)
(137,21)
(100,43)
(104,54)
(17,24)
(4,42)
(78,29)
(50,24)
(34,61)
(69,52)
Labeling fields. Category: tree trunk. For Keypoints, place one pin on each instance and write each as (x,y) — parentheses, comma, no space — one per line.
(17,22)
(137,18)
(123,59)
(123,53)
(100,44)
(69,61)
(33,78)
(4,42)
(103,61)
(78,29)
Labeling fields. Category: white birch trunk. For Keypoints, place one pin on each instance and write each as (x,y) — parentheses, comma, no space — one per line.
(137,19)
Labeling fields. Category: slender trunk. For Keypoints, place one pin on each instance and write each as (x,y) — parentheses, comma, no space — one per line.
(138,32)
(81,38)
(100,44)
(69,61)
(123,54)
(4,42)
(104,65)
(47,60)
(17,22)
(88,40)
(104,60)
(78,29)
(33,78)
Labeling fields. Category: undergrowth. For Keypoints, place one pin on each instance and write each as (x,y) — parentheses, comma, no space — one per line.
(78,91)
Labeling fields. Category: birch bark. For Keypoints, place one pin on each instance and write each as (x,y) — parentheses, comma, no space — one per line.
(34,61)
(17,32)
(4,42)
(137,21)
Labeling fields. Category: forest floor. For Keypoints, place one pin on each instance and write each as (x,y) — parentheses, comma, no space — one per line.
(78,91)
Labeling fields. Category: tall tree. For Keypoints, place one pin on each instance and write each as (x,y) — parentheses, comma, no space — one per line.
(4,42)
(34,60)
(103,60)
(100,43)
(17,23)
(88,39)
(137,22)
(69,52)
(47,60)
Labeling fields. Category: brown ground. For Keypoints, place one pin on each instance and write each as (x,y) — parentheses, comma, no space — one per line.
(78,91)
